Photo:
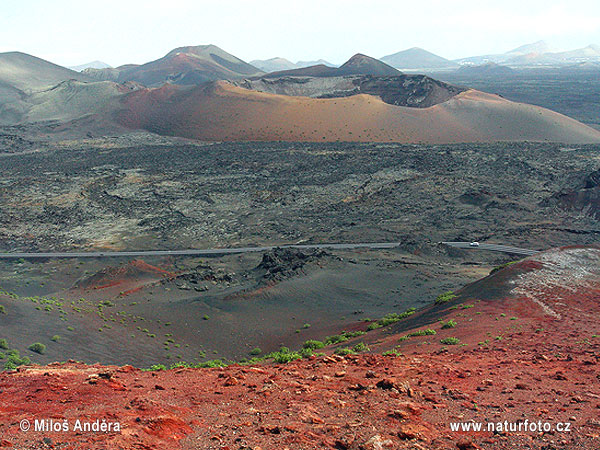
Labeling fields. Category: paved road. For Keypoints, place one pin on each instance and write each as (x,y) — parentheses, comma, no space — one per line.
(194,252)
(228,251)
(493,247)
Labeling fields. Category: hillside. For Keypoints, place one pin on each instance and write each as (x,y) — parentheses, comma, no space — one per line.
(28,73)
(417,58)
(222,111)
(189,66)
(518,344)
(359,64)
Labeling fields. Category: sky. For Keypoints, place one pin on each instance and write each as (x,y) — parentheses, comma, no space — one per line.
(70,32)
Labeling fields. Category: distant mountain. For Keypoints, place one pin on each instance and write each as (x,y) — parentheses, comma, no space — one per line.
(273,64)
(536,54)
(359,64)
(589,53)
(189,66)
(29,73)
(301,64)
(417,58)
(536,47)
(90,65)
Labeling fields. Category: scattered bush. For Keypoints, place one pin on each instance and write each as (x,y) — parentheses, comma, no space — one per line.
(343,351)
(502,266)
(55,338)
(205,317)
(450,341)
(361,347)
(427,332)
(37,347)
(391,318)
(306,352)
(445,297)
(313,344)
(283,356)
(3,344)
(335,339)
(450,324)
(155,367)
(2,309)
(15,360)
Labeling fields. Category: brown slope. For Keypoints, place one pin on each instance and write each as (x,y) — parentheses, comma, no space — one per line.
(221,111)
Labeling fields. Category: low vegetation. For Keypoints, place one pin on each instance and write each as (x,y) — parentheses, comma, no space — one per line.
(450,341)
(450,324)
(37,347)
(391,318)
(445,297)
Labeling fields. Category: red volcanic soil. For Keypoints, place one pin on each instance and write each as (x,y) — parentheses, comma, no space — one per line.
(529,350)
(132,275)
(222,112)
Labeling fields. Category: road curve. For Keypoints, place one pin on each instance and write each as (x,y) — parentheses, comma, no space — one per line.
(493,247)
(193,252)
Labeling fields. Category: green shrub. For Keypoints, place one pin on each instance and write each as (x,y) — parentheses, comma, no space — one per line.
(15,360)
(306,352)
(4,344)
(205,317)
(450,324)
(255,351)
(343,351)
(335,339)
(306,325)
(37,347)
(391,318)
(353,334)
(392,352)
(285,357)
(427,332)
(55,338)
(361,347)
(155,367)
(212,363)
(313,344)
(2,309)
(502,266)
(445,297)
(450,341)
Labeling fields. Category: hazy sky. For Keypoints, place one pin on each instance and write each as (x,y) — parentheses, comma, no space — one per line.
(117,32)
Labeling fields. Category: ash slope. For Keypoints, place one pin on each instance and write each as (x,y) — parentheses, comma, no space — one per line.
(402,401)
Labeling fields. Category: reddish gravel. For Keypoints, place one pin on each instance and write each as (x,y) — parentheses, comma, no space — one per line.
(531,353)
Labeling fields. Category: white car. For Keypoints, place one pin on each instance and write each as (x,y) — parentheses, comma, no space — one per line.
(474,244)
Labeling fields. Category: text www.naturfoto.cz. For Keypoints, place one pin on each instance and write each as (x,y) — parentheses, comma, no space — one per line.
(514,427)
